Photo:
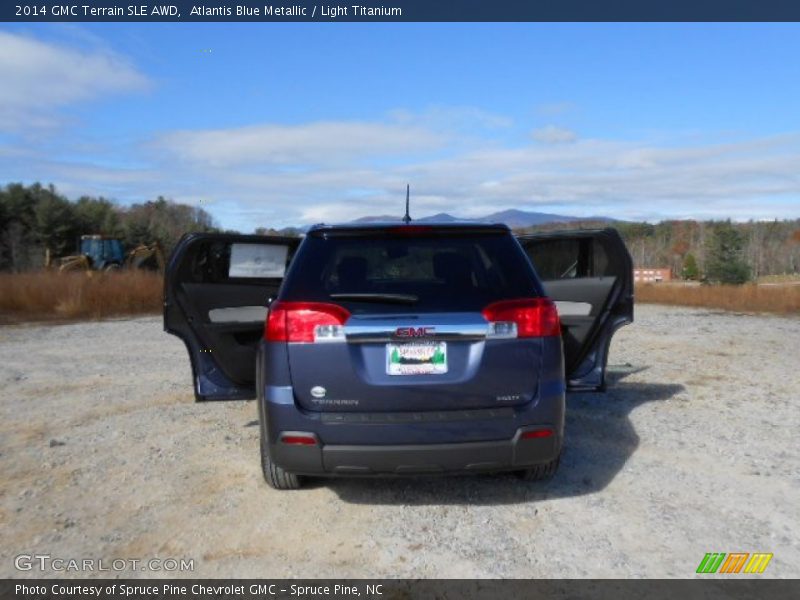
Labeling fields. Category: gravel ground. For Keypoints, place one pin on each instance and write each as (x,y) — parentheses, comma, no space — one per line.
(104,455)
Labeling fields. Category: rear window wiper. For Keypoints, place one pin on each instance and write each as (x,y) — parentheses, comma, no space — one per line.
(388,298)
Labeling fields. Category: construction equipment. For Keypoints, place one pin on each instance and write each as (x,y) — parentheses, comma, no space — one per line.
(146,256)
(104,253)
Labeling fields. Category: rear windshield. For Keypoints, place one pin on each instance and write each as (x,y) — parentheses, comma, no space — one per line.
(422,273)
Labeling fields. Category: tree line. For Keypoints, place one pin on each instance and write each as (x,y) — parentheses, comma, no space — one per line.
(36,220)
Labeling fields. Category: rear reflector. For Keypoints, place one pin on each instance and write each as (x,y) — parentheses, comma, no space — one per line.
(305,322)
(523,318)
(537,433)
(299,440)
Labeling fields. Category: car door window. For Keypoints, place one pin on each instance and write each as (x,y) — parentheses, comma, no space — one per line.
(570,258)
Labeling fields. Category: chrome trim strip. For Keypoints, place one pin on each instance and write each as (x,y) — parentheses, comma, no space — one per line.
(370,337)
(448,327)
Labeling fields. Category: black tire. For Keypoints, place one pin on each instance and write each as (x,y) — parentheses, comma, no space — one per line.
(540,472)
(276,477)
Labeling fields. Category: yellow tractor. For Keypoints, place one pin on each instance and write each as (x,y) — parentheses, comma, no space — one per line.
(103,253)
(146,256)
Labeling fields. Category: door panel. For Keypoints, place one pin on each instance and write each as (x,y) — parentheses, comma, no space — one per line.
(592,293)
(217,288)
(589,275)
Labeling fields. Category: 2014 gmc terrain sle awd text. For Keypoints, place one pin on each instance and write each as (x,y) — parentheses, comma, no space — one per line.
(389,349)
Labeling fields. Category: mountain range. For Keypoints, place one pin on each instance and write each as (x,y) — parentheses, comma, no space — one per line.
(513,218)
(516,219)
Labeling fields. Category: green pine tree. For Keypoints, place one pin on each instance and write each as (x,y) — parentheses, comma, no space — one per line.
(690,268)
(725,262)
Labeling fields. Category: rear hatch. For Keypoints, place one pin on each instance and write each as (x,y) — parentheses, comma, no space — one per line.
(410,318)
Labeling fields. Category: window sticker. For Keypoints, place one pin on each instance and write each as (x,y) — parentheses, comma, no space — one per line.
(257,260)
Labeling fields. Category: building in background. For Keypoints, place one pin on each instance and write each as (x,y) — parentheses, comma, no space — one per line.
(652,275)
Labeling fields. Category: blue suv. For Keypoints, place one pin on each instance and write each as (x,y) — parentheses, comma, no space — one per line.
(391,349)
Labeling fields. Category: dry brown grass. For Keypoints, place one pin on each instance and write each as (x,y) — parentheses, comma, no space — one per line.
(781,299)
(52,296)
(786,278)
(49,295)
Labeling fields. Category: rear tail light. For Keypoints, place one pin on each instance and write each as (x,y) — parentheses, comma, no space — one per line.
(305,322)
(524,318)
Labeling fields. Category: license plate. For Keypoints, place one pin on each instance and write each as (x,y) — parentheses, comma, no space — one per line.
(416,359)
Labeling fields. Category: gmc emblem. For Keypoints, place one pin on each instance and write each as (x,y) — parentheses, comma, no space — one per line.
(414,332)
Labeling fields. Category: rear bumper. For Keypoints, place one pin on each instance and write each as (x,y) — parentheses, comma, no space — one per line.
(450,439)
(409,459)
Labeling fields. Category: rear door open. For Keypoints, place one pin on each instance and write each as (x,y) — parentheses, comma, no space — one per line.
(216,291)
(589,275)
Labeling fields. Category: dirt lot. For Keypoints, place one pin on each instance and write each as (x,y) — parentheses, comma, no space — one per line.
(694,449)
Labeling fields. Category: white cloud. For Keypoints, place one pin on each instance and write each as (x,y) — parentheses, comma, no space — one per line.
(553,135)
(278,175)
(316,143)
(39,77)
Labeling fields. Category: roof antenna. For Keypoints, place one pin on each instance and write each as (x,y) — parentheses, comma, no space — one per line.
(407,217)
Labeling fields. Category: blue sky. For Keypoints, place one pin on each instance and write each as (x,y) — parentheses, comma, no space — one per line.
(279,124)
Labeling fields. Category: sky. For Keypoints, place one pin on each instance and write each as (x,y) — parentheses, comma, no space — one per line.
(279,124)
